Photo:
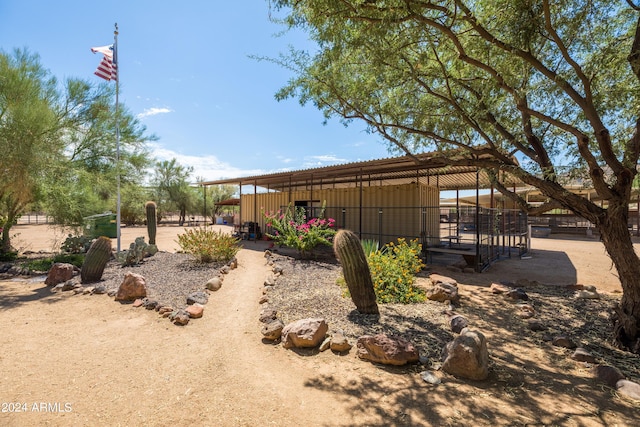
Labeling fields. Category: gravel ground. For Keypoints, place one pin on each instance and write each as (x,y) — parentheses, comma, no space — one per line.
(170,277)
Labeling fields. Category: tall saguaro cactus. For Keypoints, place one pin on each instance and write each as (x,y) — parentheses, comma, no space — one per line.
(355,269)
(96,260)
(152,221)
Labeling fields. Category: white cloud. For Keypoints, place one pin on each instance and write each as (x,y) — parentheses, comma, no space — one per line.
(208,167)
(154,111)
(322,160)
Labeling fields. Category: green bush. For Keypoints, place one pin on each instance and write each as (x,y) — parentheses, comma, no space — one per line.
(44,264)
(393,271)
(8,256)
(75,259)
(76,244)
(208,245)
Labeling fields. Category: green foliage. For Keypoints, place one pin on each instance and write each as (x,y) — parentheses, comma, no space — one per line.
(44,264)
(75,259)
(292,229)
(137,252)
(8,256)
(208,245)
(174,191)
(393,272)
(369,246)
(76,244)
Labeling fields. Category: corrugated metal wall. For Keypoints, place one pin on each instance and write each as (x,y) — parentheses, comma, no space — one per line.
(408,210)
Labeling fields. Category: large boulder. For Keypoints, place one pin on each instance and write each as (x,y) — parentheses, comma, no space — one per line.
(386,349)
(60,272)
(133,286)
(467,356)
(304,333)
(443,291)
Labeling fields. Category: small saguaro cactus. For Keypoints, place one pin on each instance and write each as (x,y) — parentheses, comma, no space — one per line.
(152,221)
(96,260)
(355,269)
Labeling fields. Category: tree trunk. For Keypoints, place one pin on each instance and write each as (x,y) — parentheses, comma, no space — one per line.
(618,243)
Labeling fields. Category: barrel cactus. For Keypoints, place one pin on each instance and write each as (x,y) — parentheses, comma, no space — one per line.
(152,222)
(355,269)
(96,260)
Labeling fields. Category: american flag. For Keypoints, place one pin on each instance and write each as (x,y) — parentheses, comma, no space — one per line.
(108,68)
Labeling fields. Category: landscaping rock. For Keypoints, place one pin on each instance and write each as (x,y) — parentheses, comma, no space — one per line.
(628,389)
(582,355)
(99,290)
(563,341)
(586,294)
(442,292)
(608,375)
(430,377)
(438,278)
(339,343)
(60,272)
(263,299)
(536,325)
(326,344)
(385,349)
(267,315)
(138,303)
(272,331)
(526,311)
(214,284)
(132,287)
(225,270)
(180,317)
(499,288)
(270,280)
(467,356)
(517,295)
(199,297)
(195,311)
(458,323)
(304,333)
(149,304)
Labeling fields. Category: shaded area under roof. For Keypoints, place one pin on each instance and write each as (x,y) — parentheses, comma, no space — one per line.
(434,169)
(229,202)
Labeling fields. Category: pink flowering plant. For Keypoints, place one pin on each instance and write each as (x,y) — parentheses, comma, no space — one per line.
(293,229)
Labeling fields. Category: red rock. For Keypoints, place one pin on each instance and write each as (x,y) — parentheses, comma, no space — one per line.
(132,287)
(59,272)
(388,350)
(138,303)
(195,311)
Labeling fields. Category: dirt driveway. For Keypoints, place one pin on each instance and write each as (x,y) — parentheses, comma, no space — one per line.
(86,360)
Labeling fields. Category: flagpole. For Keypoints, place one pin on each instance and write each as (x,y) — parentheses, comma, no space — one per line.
(115,60)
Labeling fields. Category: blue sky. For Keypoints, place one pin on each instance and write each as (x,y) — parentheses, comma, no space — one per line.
(185,71)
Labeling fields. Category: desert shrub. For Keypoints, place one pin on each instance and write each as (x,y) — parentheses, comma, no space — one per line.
(208,245)
(294,230)
(137,252)
(393,271)
(76,244)
(75,259)
(8,256)
(369,246)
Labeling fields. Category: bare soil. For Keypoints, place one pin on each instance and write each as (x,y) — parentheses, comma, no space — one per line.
(87,360)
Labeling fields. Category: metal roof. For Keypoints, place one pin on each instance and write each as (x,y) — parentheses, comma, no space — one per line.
(446,171)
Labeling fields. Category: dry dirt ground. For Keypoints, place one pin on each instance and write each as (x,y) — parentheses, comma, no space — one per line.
(86,360)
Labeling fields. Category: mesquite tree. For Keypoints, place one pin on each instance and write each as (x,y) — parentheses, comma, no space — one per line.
(525,87)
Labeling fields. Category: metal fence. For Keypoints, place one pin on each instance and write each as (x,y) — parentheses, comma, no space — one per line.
(478,236)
